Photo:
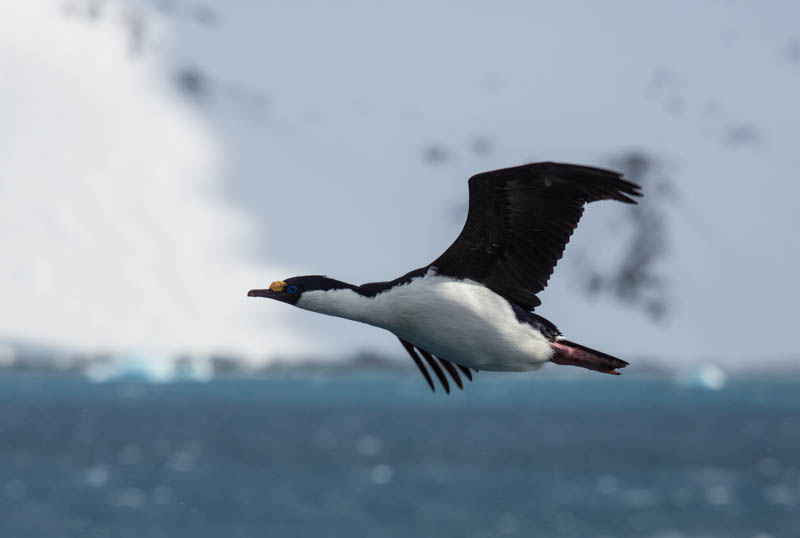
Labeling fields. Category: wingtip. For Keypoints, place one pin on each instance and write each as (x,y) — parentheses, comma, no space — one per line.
(626,189)
(627,199)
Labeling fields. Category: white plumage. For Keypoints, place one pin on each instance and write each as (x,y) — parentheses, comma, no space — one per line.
(453,319)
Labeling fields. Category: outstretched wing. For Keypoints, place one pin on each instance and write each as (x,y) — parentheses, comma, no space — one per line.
(439,366)
(519,221)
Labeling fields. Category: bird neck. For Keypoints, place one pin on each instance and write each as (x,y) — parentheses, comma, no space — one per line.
(340,302)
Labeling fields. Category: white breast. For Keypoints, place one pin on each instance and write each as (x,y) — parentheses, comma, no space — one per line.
(458,320)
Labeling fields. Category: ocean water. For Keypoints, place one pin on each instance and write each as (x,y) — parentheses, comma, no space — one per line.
(378,455)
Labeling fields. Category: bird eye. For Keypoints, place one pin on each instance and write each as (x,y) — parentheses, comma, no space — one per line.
(292,289)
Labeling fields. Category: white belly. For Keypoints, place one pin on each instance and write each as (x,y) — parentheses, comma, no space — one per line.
(457,320)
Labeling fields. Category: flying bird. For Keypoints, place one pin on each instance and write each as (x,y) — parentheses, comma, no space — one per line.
(473,307)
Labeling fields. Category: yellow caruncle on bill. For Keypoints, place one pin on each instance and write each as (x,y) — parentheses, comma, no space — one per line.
(277,286)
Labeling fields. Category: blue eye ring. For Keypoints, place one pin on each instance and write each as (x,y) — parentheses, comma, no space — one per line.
(292,289)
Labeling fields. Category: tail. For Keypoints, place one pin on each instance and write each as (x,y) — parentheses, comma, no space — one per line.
(572,354)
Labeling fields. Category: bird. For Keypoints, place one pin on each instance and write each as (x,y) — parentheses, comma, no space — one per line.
(472,308)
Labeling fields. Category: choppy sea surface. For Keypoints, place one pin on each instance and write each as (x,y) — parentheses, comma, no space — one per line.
(379,456)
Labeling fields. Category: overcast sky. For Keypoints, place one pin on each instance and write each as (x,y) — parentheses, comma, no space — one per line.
(158,163)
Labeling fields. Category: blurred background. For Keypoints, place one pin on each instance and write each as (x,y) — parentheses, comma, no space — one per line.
(158,158)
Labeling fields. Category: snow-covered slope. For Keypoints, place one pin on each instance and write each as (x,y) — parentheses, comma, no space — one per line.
(113,235)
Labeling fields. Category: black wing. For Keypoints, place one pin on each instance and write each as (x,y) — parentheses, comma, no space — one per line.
(437,366)
(519,221)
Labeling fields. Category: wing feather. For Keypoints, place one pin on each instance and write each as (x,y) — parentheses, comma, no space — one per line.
(439,367)
(519,222)
(434,364)
(465,371)
(411,351)
(452,371)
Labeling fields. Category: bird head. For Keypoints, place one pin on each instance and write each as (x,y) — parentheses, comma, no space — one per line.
(292,290)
